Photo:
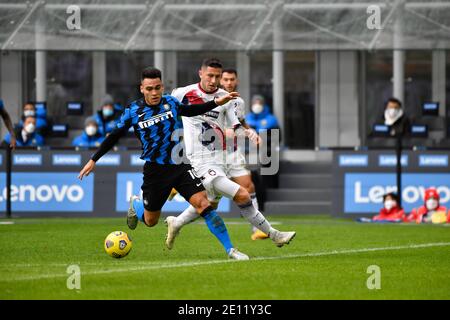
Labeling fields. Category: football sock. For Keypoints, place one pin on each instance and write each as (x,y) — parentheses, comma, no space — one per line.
(217,227)
(255,204)
(187,216)
(257,219)
(138,206)
(254,200)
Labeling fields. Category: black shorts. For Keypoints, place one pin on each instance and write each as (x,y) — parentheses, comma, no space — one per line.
(159,179)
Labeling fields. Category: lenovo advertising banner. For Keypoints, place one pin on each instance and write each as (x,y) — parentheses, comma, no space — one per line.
(360,179)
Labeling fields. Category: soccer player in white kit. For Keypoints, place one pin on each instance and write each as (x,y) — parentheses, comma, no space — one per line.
(236,166)
(204,138)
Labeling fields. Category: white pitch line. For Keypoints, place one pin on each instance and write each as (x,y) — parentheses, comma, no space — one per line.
(210,262)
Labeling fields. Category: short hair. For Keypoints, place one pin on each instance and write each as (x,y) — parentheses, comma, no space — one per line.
(151,73)
(258,97)
(394,100)
(29,102)
(26,118)
(212,62)
(90,120)
(393,195)
(230,70)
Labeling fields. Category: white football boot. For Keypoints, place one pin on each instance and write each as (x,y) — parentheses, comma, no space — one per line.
(280,238)
(237,255)
(132,219)
(172,231)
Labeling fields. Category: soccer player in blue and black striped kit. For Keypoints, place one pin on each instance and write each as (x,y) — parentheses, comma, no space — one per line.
(155,118)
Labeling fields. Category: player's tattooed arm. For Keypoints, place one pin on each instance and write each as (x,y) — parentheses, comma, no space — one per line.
(198,109)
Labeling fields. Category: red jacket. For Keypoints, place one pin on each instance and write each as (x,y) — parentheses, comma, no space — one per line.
(393,214)
(417,214)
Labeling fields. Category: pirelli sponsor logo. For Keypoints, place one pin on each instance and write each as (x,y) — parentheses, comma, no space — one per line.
(155,119)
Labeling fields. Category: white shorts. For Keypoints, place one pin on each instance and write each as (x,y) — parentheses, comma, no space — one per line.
(236,166)
(215,181)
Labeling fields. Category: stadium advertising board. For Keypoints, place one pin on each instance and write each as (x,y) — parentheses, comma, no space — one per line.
(129,183)
(47,192)
(44,182)
(360,179)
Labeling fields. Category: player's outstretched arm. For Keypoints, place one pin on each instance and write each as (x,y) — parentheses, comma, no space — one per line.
(87,169)
(106,145)
(198,109)
(250,133)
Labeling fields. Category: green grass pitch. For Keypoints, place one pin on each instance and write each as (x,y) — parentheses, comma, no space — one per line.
(328,259)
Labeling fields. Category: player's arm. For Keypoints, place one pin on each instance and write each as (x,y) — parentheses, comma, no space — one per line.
(240,129)
(244,123)
(8,124)
(107,144)
(198,109)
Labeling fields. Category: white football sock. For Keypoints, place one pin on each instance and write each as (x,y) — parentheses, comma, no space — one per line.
(255,204)
(187,216)
(257,219)
(254,200)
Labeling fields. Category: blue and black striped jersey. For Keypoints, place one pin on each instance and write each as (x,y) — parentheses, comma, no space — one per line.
(154,126)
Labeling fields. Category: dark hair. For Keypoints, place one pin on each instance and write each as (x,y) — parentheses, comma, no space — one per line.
(394,100)
(392,195)
(212,62)
(230,70)
(151,73)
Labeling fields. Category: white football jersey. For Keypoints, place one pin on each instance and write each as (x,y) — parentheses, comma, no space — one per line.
(239,111)
(239,108)
(204,135)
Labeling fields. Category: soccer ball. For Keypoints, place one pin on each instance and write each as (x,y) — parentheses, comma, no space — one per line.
(118,244)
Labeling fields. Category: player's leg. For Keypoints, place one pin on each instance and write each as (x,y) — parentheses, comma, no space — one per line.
(246,182)
(147,210)
(190,213)
(237,172)
(242,198)
(191,188)
(156,188)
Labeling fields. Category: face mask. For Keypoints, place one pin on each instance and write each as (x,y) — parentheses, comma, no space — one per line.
(389,204)
(431,204)
(28,113)
(107,112)
(29,128)
(391,113)
(257,108)
(91,130)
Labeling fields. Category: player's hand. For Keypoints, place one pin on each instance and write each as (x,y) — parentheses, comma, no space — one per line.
(253,136)
(12,143)
(224,99)
(88,168)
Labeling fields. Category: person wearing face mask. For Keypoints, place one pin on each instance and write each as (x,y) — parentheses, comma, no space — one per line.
(399,127)
(90,136)
(29,110)
(391,211)
(26,136)
(260,117)
(431,211)
(395,118)
(108,116)
(263,121)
